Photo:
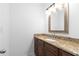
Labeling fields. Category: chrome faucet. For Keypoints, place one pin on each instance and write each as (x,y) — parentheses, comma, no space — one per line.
(53,35)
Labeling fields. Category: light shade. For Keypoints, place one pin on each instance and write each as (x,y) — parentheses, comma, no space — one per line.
(48,12)
(59,6)
(51,10)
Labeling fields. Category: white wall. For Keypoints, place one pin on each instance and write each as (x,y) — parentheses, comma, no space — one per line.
(26,20)
(18,23)
(4,27)
(74,19)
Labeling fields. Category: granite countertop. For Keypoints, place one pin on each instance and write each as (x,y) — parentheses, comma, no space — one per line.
(68,45)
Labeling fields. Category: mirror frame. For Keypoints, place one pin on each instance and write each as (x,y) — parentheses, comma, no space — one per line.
(66,21)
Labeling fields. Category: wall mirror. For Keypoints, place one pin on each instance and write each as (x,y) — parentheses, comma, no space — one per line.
(58,17)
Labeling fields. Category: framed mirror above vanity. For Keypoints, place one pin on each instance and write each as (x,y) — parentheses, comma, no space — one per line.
(58,17)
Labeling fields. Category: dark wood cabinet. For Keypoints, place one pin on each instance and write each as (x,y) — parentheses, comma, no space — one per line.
(42,48)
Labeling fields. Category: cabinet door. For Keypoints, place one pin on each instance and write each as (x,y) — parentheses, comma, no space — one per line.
(51,50)
(38,47)
(64,53)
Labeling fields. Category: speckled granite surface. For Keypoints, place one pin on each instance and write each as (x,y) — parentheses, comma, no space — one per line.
(67,44)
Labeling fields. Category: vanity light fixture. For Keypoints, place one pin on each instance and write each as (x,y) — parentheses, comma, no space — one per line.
(52,8)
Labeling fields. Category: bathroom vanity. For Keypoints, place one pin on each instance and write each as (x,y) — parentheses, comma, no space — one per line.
(43,46)
(56,45)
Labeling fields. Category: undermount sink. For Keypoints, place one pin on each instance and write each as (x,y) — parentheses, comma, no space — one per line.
(52,40)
